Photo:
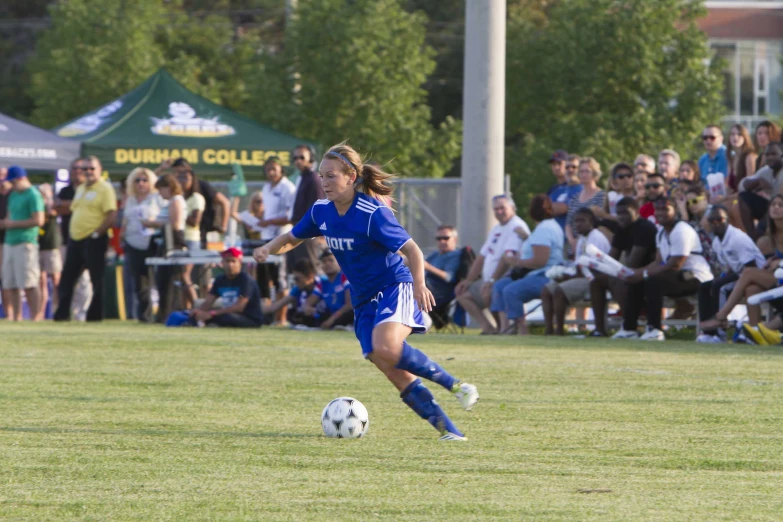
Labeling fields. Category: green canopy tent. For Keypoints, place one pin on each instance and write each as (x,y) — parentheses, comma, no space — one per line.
(161,119)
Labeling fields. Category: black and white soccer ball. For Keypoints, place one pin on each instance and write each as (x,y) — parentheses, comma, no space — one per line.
(345,418)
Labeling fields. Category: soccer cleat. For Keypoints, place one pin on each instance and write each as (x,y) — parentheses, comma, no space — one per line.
(771,336)
(653,334)
(752,332)
(452,436)
(466,394)
(626,334)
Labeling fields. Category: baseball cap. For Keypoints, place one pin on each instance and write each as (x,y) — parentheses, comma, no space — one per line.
(558,155)
(231,252)
(16,172)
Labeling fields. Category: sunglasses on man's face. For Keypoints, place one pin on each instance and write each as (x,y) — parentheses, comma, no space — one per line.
(88,168)
(572,167)
(443,238)
(653,186)
(709,137)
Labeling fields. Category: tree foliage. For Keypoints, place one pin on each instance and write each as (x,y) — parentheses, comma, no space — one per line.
(355,71)
(605,78)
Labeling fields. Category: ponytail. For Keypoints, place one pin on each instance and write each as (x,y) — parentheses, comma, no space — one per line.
(370,178)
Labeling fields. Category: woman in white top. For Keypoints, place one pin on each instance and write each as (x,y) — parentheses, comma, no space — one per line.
(174,216)
(142,204)
(195,206)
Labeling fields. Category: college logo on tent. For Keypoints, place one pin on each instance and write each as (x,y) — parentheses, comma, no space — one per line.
(184,122)
(90,122)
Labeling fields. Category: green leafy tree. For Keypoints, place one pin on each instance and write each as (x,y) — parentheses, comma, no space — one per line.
(606,78)
(355,71)
(96,50)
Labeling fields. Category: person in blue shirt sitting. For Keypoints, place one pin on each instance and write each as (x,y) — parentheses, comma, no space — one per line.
(330,301)
(441,270)
(714,160)
(304,285)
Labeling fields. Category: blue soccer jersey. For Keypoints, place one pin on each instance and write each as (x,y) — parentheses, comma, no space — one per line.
(332,293)
(364,241)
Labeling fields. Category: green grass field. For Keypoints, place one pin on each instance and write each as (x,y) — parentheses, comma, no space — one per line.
(131,422)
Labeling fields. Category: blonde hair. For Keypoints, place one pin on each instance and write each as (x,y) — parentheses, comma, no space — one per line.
(370,179)
(255,195)
(595,167)
(130,183)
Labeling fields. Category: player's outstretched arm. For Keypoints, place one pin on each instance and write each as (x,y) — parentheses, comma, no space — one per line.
(415,258)
(279,245)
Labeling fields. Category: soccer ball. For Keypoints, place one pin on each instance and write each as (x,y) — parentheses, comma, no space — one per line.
(345,418)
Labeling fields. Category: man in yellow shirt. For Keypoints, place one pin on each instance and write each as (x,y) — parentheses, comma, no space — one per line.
(93,211)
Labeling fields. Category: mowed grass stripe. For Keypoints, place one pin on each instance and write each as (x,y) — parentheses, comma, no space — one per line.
(132,422)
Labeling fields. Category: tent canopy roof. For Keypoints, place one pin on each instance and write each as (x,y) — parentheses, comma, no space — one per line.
(33,148)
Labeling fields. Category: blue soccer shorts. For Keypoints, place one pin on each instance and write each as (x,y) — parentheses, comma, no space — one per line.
(393,304)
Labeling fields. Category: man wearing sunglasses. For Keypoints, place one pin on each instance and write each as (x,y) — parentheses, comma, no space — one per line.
(308,191)
(714,160)
(562,191)
(440,272)
(656,189)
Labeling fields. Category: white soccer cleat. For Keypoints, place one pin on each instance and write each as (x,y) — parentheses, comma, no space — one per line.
(467,395)
(653,334)
(452,436)
(626,334)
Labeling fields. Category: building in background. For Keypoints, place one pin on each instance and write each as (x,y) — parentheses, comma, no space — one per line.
(748,35)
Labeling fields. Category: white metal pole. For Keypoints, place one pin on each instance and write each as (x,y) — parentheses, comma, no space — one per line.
(483,117)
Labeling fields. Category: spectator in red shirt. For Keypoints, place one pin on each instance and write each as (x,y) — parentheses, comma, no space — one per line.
(655,189)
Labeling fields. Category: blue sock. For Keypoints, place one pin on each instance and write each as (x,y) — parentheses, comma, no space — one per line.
(420,399)
(416,362)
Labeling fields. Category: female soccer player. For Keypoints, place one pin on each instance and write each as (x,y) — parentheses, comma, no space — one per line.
(388,297)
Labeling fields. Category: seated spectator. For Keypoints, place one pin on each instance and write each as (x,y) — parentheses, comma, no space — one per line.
(655,188)
(556,297)
(741,156)
(473,292)
(622,187)
(766,132)
(639,181)
(754,280)
(669,166)
(713,161)
(634,246)
(330,302)
(563,190)
(543,249)
(689,171)
(643,164)
(269,276)
(755,190)
(238,293)
(692,206)
(304,285)
(678,271)
(440,272)
(590,196)
(736,251)
(21,270)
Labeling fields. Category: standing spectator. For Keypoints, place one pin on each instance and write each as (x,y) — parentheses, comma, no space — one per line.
(643,164)
(655,189)
(736,251)
(82,294)
(308,191)
(238,293)
(590,196)
(623,187)
(741,156)
(689,172)
(543,249)
(5,189)
(330,301)
(142,204)
(634,246)
(93,212)
(556,297)
(214,201)
(678,271)
(756,190)
(195,205)
(572,169)
(669,165)
(562,191)
(49,256)
(766,132)
(713,161)
(440,269)
(21,270)
(474,292)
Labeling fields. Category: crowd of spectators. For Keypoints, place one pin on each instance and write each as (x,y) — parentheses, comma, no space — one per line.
(706,230)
